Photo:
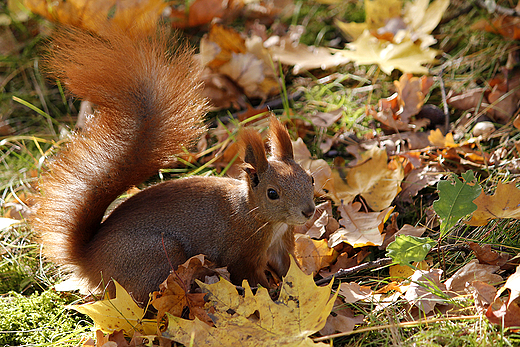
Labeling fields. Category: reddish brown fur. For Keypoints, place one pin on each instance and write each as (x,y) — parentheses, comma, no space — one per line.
(148,108)
(144,98)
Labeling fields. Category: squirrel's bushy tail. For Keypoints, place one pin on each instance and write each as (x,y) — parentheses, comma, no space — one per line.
(148,107)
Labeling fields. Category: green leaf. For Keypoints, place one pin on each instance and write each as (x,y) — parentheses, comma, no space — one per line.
(406,249)
(456,200)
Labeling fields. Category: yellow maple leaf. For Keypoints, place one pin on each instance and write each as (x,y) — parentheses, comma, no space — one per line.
(256,320)
(359,229)
(121,313)
(505,203)
(405,56)
(374,179)
(377,13)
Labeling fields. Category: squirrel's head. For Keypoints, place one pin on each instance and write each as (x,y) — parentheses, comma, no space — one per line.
(280,191)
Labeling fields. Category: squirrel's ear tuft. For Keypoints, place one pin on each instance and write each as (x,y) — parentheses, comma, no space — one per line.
(281,146)
(254,150)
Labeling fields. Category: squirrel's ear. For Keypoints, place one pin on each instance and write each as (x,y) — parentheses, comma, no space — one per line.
(281,146)
(254,150)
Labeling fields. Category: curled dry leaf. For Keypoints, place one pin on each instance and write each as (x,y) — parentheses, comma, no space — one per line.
(376,179)
(313,255)
(175,292)
(424,288)
(470,272)
(244,61)
(353,292)
(359,229)
(405,230)
(418,179)
(486,255)
(126,14)
(321,224)
(483,294)
(319,169)
(507,313)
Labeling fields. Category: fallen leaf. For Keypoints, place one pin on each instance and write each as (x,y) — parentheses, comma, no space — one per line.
(504,203)
(483,294)
(407,249)
(456,200)
(436,138)
(313,255)
(407,229)
(321,224)
(470,272)
(405,56)
(120,313)
(353,292)
(318,168)
(375,179)
(400,272)
(418,179)
(341,320)
(507,313)
(425,290)
(256,320)
(486,255)
(359,229)
(305,58)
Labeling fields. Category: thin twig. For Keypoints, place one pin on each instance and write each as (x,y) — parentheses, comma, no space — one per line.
(353,270)
(398,325)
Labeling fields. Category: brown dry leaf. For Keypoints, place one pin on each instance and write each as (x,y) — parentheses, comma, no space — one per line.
(505,203)
(201,12)
(418,179)
(244,61)
(483,294)
(313,255)
(507,26)
(345,261)
(318,168)
(359,228)
(321,224)
(421,291)
(470,272)
(486,255)
(175,296)
(126,14)
(353,292)
(508,312)
(375,179)
(341,319)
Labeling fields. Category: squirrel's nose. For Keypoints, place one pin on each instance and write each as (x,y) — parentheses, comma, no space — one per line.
(308,212)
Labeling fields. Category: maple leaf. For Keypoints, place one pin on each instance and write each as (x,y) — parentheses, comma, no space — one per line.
(120,313)
(504,203)
(405,56)
(359,229)
(256,320)
(375,179)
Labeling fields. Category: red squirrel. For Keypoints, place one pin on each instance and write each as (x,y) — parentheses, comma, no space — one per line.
(148,108)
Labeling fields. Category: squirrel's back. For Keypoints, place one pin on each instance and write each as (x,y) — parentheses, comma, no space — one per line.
(148,107)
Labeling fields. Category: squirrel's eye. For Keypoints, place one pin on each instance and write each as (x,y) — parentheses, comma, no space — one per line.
(272,194)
